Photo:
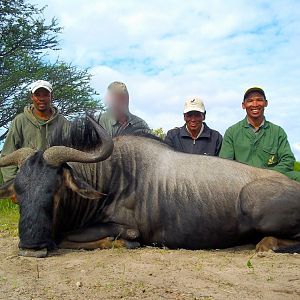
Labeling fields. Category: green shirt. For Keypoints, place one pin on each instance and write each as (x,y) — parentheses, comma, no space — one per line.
(113,127)
(27,130)
(268,148)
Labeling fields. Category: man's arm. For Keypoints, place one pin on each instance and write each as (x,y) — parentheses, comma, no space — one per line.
(140,125)
(219,144)
(12,143)
(227,148)
(103,120)
(285,155)
(144,127)
(169,140)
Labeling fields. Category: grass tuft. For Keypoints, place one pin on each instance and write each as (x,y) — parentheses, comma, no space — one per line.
(9,218)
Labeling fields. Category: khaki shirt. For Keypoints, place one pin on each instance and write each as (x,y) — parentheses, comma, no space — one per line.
(27,130)
(113,127)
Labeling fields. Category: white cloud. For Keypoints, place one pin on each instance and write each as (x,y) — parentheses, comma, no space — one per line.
(166,51)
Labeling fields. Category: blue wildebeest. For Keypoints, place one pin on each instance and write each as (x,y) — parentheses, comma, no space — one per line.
(134,190)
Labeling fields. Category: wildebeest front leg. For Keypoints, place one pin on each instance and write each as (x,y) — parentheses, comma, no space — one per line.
(101,236)
(107,243)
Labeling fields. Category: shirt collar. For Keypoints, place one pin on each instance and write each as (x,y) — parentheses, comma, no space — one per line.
(204,132)
(114,122)
(259,127)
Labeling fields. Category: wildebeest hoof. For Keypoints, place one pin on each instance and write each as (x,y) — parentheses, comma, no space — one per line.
(266,244)
(132,245)
(40,253)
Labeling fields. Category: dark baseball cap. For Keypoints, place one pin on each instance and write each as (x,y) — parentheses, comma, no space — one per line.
(255,89)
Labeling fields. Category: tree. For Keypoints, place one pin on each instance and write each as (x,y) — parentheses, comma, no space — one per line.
(159,132)
(25,39)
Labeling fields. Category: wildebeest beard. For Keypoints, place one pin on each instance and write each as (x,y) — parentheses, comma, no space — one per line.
(36,201)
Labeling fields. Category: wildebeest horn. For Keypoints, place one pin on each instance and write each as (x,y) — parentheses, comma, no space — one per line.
(16,158)
(58,155)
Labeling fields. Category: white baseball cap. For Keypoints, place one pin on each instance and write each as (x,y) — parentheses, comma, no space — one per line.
(41,84)
(193,103)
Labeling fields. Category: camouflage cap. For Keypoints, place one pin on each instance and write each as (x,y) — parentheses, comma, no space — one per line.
(118,87)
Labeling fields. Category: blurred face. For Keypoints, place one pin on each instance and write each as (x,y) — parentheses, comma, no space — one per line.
(254,105)
(193,120)
(117,103)
(41,99)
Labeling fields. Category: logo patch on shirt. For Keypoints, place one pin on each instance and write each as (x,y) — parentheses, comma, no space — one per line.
(271,160)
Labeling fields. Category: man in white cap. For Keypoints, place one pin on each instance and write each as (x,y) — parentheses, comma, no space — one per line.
(195,136)
(118,119)
(33,127)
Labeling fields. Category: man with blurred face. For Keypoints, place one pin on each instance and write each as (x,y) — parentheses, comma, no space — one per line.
(118,119)
(33,127)
(195,136)
(256,141)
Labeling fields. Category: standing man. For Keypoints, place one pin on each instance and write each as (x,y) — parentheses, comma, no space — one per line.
(256,141)
(33,127)
(195,136)
(118,119)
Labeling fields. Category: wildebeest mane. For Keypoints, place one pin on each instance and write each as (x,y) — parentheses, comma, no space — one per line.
(80,134)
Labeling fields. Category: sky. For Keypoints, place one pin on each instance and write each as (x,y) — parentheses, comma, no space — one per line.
(166,51)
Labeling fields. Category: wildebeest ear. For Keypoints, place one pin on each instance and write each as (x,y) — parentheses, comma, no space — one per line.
(7,189)
(79,186)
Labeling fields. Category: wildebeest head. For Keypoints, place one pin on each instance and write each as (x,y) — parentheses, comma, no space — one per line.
(38,183)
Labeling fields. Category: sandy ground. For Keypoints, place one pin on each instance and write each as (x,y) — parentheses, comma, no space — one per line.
(148,273)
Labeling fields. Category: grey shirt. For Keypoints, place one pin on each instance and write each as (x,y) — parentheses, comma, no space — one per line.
(113,127)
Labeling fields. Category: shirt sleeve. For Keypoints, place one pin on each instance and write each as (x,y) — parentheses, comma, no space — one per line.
(227,148)
(219,145)
(169,140)
(145,127)
(103,120)
(139,125)
(12,143)
(286,158)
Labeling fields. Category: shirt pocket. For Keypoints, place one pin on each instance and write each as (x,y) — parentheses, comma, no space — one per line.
(270,156)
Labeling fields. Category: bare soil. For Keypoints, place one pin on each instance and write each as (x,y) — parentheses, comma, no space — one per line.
(148,273)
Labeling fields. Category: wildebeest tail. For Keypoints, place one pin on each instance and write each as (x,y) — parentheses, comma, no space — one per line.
(289,249)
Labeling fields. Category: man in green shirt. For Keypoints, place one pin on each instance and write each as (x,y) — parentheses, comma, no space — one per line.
(118,119)
(258,142)
(33,127)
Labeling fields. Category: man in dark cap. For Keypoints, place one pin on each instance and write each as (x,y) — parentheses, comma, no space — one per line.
(256,141)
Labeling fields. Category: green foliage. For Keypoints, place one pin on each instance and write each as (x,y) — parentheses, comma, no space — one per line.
(159,132)
(23,29)
(25,39)
(297,166)
(9,218)
(249,264)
